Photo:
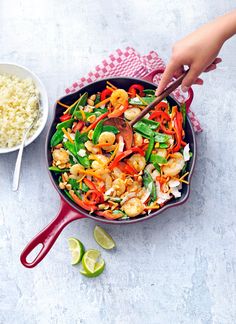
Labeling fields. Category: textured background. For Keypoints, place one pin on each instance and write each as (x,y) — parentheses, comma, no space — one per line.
(178,268)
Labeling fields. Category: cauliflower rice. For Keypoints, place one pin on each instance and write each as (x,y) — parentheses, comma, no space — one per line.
(18,107)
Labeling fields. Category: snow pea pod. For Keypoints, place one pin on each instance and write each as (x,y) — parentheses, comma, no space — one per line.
(109,128)
(161,138)
(81,103)
(97,132)
(149,92)
(58,135)
(83,160)
(150,185)
(150,148)
(155,158)
(56,169)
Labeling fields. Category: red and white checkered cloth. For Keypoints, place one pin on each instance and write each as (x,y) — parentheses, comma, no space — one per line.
(130,63)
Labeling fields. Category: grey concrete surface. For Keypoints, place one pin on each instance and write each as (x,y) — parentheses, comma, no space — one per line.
(177,268)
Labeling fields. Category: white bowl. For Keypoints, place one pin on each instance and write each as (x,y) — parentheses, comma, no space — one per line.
(23,72)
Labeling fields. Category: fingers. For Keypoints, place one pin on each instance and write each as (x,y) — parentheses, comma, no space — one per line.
(171,68)
(210,68)
(217,60)
(191,77)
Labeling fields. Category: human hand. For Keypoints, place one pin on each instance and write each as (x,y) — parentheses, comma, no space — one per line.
(199,51)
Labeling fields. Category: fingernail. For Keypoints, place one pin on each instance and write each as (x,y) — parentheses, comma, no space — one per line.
(184,88)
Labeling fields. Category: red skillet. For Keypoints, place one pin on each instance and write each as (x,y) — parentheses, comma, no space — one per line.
(69,211)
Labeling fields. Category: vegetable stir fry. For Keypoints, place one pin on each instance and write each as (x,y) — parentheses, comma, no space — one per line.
(98,173)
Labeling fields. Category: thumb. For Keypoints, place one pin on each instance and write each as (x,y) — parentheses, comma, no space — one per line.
(167,76)
(190,78)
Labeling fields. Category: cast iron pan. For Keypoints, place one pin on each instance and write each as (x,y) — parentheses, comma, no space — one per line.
(69,211)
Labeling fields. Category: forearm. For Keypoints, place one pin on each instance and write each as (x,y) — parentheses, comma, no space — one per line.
(225,25)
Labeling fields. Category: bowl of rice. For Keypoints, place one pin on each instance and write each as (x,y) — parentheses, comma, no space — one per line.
(22,97)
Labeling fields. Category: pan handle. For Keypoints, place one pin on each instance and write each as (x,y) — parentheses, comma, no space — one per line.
(150,77)
(49,234)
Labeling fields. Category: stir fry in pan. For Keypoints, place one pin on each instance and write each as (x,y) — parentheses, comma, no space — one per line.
(96,170)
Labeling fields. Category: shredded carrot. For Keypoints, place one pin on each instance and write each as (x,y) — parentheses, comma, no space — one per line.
(110,84)
(91,172)
(83,114)
(114,154)
(67,135)
(62,104)
(110,88)
(183,176)
(81,178)
(153,206)
(102,144)
(69,107)
(102,102)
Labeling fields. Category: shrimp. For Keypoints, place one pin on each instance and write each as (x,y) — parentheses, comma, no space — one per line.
(99,161)
(119,97)
(60,156)
(107,138)
(91,148)
(174,165)
(133,207)
(138,162)
(119,186)
(117,173)
(104,174)
(75,170)
(132,113)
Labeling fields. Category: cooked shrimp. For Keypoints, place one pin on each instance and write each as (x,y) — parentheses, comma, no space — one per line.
(99,161)
(133,207)
(174,165)
(117,173)
(75,170)
(119,97)
(91,148)
(138,162)
(132,113)
(138,139)
(104,174)
(119,186)
(60,156)
(107,138)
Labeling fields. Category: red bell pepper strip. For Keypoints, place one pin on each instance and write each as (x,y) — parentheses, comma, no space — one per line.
(95,197)
(65,117)
(89,183)
(105,94)
(124,154)
(82,204)
(119,111)
(133,90)
(178,130)
(78,126)
(94,124)
(126,168)
(162,106)
(161,117)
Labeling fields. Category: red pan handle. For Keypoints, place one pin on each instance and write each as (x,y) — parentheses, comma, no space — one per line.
(149,77)
(49,234)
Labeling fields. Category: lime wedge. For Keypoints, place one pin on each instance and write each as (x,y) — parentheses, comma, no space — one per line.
(93,263)
(103,238)
(77,250)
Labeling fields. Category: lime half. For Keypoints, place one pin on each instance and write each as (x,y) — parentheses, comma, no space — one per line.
(93,264)
(103,238)
(77,250)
